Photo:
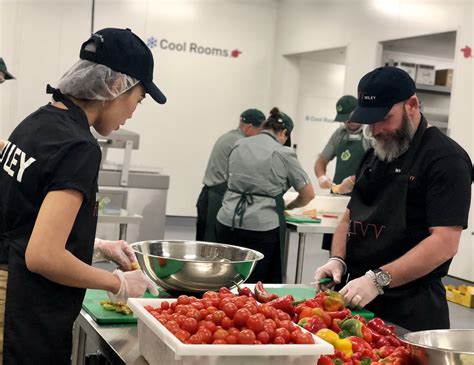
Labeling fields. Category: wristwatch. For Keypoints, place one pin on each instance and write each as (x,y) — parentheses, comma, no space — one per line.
(382,279)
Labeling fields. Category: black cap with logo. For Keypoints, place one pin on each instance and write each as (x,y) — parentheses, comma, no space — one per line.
(124,52)
(252,116)
(379,91)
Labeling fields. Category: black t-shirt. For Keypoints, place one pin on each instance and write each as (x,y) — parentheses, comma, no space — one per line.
(52,149)
(439,186)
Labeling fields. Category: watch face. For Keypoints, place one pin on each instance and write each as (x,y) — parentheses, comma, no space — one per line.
(383,278)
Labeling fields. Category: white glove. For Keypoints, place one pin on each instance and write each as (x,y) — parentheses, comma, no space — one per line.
(324,182)
(116,251)
(133,284)
(347,185)
(359,292)
(332,269)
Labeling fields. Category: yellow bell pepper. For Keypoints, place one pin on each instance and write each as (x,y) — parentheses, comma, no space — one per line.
(328,335)
(344,345)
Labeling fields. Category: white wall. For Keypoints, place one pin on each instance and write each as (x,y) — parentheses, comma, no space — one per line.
(305,26)
(39,40)
(321,85)
(206,93)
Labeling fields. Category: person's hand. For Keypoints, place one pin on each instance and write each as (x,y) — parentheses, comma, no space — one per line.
(331,269)
(347,185)
(118,252)
(132,285)
(324,182)
(359,292)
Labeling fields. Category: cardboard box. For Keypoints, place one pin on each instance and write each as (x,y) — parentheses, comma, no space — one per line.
(159,346)
(444,77)
(425,75)
(463,295)
(410,68)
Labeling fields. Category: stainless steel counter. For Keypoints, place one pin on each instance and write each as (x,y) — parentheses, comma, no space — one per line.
(118,342)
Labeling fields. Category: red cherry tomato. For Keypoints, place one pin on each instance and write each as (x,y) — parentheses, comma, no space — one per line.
(246,337)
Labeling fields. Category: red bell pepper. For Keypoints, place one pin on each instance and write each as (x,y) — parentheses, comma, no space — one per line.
(245,291)
(325,360)
(323,315)
(262,295)
(335,325)
(284,303)
(342,314)
(313,324)
(360,318)
(379,325)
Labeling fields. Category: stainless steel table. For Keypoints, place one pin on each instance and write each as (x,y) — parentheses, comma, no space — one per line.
(118,342)
(327,225)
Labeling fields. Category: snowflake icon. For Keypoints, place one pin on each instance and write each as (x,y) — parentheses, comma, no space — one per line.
(152,42)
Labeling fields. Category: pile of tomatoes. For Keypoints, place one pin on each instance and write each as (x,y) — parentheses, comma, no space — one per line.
(225,318)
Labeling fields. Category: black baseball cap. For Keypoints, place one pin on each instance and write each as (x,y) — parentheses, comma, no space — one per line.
(252,116)
(123,51)
(379,91)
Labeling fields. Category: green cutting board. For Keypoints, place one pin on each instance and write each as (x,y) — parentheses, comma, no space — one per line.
(91,305)
(301,219)
(306,293)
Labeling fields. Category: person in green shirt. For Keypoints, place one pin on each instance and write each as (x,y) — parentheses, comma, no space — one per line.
(215,178)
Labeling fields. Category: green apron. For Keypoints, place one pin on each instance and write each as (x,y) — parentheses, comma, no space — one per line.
(215,197)
(349,153)
(247,199)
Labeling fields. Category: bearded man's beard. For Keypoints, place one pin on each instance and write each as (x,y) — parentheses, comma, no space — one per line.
(390,145)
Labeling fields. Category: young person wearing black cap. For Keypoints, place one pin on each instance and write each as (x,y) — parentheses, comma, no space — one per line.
(215,178)
(48,208)
(261,170)
(408,208)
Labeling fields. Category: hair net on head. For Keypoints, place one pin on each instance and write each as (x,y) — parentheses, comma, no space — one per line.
(93,81)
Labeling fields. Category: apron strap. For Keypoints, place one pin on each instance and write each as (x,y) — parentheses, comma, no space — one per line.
(245,200)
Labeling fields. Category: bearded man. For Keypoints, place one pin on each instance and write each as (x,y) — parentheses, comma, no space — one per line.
(408,208)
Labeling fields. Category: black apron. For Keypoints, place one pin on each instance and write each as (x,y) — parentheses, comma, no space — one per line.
(378,234)
(208,205)
(247,199)
(39,313)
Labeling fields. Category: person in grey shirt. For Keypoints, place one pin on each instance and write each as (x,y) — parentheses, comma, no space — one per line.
(215,178)
(261,170)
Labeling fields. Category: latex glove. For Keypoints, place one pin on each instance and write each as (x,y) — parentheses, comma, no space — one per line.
(359,292)
(133,284)
(116,251)
(324,182)
(331,269)
(347,185)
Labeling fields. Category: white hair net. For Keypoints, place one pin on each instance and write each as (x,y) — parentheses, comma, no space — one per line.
(93,81)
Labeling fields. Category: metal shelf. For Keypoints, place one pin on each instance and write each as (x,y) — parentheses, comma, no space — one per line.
(433,89)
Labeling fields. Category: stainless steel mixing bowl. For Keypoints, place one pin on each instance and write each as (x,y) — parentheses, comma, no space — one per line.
(441,347)
(194,267)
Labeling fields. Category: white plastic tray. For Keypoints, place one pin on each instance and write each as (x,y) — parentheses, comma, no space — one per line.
(159,346)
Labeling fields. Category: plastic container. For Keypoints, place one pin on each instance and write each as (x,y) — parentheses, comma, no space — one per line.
(159,346)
